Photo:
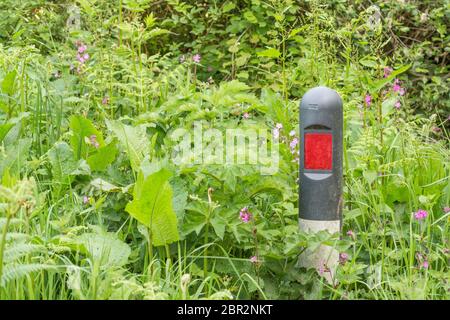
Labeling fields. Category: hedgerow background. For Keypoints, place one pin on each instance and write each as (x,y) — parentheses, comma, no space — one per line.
(91,91)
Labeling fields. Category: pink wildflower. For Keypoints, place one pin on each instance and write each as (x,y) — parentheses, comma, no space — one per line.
(94,142)
(387,71)
(343,257)
(246,115)
(368,100)
(254,259)
(351,234)
(424,264)
(245,215)
(196,58)
(80,58)
(397,104)
(82,55)
(105,100)
(82,48)
(85,199)
(396,87)
(420,214)
(446,209)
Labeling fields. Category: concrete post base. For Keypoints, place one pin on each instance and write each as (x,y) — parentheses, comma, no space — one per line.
(324,259)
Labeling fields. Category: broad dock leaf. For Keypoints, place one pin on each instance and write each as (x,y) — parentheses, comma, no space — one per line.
(152,206)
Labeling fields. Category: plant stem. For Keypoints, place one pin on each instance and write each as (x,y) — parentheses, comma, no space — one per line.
(284,71)
(168,254)
(120,22)
(255,238)
(150,253)
(210,209)
(205,259)
(94,279)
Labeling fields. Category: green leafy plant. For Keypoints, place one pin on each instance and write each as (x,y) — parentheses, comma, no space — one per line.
(93,207)
(152,206)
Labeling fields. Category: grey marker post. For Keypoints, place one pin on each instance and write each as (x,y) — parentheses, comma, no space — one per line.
(320,192)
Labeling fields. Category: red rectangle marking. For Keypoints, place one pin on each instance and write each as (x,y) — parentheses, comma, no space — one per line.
(318,151)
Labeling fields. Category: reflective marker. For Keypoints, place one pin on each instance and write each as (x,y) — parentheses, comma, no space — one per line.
(318,151)
(320,198)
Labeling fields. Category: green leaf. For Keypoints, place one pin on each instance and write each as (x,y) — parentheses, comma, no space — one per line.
(4,129)
(152,206)
(15,157)
(86,6)
(271,103)
(16,251)
(196,216)
(15,132)
(296,31)
(133,139)
(8,83)
(242,59)
(104,156)
(179,200)
(16,271)
(155,33)
(250,17)
(370,176)
(63,162)
(397,191)
(388,105)
(271,185)
(269,53)
(194,222)
(82,129)
(218,224)
(228,6)
(229,94)
(229,176)
(369,62)
(104,248)
(103,185)
(352,214)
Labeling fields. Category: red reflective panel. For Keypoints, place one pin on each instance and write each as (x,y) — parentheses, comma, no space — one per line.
(318,151)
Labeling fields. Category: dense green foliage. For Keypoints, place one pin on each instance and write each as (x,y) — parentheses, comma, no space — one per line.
(92,207)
